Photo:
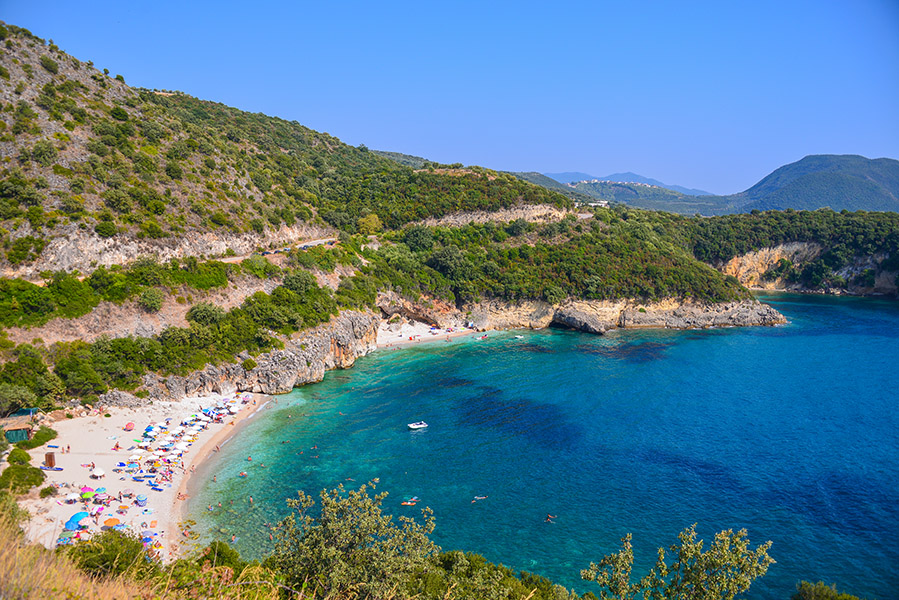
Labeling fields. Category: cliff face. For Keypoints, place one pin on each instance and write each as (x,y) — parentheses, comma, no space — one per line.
(83,250)
(749,269)
(595,316)
(304,359)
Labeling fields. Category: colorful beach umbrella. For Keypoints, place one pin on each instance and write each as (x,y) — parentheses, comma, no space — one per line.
(87,489)
(87,495)
(78,516)
(111,522)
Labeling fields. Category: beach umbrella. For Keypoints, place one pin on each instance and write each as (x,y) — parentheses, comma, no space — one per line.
(87,495)
(72,496)
(134,457)
(96,510)
(84,522)
(78,516)
(129,426)
(72,525)
(87,489)
(132,465)
(147,533)
(100,490)
(147,540)
(98,473)
(111,522)
(120,527)
(66,534)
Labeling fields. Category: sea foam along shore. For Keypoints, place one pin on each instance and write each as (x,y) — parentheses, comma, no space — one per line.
(92,439)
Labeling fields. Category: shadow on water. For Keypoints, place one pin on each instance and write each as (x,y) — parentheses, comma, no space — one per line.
(841,502)
(541,423)
(452,382)
(713,476)
(632,352)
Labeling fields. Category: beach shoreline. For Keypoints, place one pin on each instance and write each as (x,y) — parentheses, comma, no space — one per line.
(189,481)
(406,334)
(100,441)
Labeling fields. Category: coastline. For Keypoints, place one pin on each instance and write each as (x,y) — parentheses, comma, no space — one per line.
(93,439)
(189,482)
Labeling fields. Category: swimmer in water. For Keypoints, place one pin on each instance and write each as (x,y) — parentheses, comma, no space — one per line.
(549,519)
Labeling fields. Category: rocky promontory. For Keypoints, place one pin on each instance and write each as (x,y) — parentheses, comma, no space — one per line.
(304,359)
(599,316)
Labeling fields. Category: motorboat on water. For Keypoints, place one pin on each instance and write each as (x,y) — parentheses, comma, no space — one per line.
(417,425)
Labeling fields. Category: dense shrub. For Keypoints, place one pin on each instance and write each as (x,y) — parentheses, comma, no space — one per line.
(17,456)
(49,64)
(151,300)
(18,479)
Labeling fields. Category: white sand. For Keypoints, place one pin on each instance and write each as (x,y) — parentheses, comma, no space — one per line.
(403,333)
(92,439)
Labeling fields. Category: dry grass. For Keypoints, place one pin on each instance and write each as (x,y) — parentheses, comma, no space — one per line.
(28,571)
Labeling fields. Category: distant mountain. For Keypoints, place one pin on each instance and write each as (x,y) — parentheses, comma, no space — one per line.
(552,184)
(838,182)
(651,197)
(574,177)
(571,177)
(634,178)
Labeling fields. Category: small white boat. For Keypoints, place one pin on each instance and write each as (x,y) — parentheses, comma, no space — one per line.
(417,425)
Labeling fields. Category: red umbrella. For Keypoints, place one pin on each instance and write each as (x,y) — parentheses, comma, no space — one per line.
(129,427)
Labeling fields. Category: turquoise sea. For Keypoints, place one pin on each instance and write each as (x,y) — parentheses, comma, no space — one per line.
(791,432)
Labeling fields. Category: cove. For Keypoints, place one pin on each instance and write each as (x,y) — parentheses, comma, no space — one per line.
(790,432)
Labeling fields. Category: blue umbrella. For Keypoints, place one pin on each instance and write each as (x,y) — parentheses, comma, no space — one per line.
(72,526)
(147,540)
(78,516)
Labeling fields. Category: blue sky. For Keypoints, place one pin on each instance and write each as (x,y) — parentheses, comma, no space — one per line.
(712,95)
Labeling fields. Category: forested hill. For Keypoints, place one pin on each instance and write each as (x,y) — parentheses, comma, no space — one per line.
(838,182)
(846,182)
(83,152)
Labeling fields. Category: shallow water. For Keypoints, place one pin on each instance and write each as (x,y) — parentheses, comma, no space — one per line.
(790,432)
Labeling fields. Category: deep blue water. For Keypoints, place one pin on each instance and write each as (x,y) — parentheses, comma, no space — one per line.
(791,432)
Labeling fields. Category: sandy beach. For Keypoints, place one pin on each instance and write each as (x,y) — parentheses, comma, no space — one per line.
(405,333)
(93,440)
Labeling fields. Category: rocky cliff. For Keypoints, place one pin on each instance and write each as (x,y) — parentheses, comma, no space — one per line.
(304,359)
(596,316)
(750,270)
(83,250)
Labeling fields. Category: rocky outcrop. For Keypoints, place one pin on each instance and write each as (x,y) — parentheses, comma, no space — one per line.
(427,310)
(750,268)
(304,359)
(596,316)
(534,213)
(83,250)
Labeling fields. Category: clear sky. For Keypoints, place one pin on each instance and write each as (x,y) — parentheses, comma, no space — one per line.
(712,95)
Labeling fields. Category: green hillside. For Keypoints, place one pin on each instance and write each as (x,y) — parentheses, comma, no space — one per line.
(648,197)
(838,182)
(82,148)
